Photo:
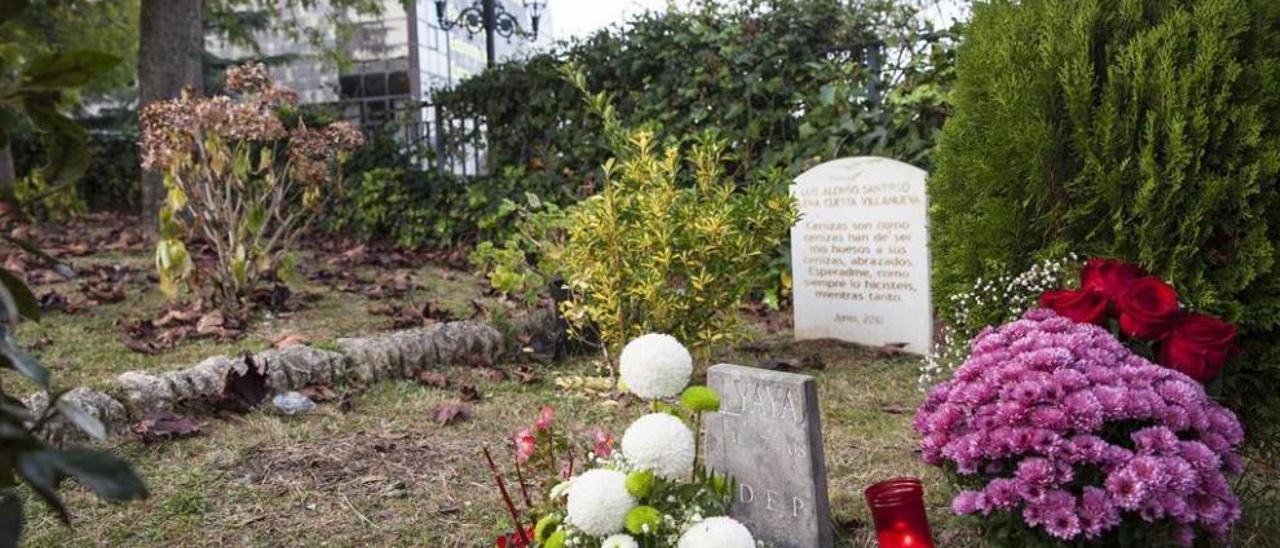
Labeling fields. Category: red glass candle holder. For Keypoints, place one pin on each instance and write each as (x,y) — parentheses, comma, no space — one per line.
(897,508)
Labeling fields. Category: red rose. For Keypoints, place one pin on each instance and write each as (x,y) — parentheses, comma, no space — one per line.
(1109,277)
(1198,345)
(1083,306)
(1148,308)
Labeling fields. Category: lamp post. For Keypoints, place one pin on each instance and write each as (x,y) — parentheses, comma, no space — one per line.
(490,17)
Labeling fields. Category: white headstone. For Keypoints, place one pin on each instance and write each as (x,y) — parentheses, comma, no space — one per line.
(860,255)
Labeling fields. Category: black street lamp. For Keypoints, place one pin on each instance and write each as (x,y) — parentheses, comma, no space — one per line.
(490,17)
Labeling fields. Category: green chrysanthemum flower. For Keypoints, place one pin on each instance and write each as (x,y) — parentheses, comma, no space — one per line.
(556,540)
(699,399)
(639,483)
(546,526)
(644,520)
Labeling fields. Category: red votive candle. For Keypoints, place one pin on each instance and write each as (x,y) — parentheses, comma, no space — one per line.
(897,508)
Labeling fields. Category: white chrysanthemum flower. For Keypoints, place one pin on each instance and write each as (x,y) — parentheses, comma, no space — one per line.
(599,502)
(620,540)
(655,366)
(717,532)
(561,488)
(660,443)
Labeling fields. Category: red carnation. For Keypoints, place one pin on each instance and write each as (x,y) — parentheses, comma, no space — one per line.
(513,539)
(1198,345)
(1082,306)
(1109,277)
(1148,308)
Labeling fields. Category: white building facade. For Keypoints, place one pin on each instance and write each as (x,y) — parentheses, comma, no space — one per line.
(388,62)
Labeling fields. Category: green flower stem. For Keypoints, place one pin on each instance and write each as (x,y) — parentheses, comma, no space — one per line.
(697,442)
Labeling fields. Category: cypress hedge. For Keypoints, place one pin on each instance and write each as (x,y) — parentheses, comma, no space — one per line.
(1147,130)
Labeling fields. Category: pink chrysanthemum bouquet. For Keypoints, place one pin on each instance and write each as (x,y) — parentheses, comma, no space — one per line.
(1061,432)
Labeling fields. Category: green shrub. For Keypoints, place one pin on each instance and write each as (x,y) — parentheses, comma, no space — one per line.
(648,254)
(1141,129)
(783,81)
(47,202)
(111,180)
(383,205)
(515,265)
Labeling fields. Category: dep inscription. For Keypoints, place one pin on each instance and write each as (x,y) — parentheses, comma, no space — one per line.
(860,255)
(768,437)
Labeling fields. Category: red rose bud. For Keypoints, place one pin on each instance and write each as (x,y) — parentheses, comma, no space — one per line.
(1083,306)
(1198,345)
(1148,309)
(1109,277)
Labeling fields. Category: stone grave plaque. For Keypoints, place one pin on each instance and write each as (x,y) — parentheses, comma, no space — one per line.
(860,255)
(768,438)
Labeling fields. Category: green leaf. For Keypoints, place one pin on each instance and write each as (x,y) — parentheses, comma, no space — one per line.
(8,10)
(69,69)
(87,423)
(107,475)
(28,306)
(9,123)
(255,219)
(13,358)
(828,94)
(40,470)
(10,513)
(66,157)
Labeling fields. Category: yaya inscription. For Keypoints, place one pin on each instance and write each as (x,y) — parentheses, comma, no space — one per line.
(768,438)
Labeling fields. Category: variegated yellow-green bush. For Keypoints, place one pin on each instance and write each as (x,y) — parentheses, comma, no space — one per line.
(659,250)
(239,181)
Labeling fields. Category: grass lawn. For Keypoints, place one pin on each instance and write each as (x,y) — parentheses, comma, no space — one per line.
(383,472)
(386,473)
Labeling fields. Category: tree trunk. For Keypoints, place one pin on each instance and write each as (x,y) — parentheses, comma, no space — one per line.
(170,57)
(8,178)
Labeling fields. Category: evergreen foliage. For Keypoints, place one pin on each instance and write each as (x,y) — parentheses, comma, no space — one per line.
(784,82)
(1141,129)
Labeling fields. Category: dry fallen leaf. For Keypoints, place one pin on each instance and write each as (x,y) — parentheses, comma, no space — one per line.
(891,350)
(527,375)
(164,426)
(432,378)
(450,413)
(285,341)
(896,409)
(493,374)
(210,323)
(469,392)
(318,393)
(477,359)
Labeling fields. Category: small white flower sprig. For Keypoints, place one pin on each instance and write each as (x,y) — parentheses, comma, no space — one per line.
(653,493)
(991,301)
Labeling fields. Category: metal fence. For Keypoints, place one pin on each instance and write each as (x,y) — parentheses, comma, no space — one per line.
(431,136)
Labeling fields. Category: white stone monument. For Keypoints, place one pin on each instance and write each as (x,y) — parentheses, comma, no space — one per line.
(860,254)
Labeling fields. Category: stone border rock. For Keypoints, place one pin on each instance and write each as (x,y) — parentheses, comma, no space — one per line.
(400,354)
